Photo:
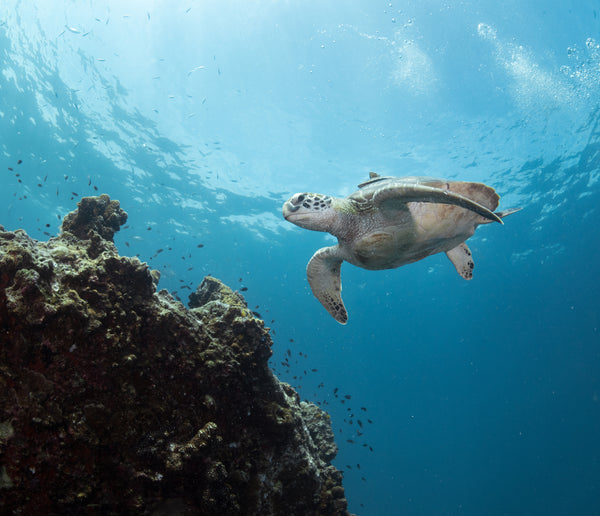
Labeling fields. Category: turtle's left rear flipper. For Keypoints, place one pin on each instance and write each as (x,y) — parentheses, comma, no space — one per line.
(462,260)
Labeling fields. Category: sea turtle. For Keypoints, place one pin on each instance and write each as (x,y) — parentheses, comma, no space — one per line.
(389,222)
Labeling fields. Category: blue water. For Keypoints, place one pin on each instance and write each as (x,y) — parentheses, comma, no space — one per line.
(477,397)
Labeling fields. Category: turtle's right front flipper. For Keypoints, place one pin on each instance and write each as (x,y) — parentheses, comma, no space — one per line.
(400,192)
(323,271)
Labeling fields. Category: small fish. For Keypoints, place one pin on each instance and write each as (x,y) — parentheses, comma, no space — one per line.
(196,69)
(72,29)
(200,245)
(19,161)
(243,289)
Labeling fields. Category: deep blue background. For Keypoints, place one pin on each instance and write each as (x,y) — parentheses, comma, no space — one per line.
(203,117)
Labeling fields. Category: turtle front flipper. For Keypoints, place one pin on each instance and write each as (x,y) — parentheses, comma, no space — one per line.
(399,192)
(461,258)
(323,271)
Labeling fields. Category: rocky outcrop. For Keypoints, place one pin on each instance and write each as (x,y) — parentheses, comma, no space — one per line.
(117,399)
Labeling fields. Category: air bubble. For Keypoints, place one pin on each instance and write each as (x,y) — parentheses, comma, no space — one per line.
(486,31)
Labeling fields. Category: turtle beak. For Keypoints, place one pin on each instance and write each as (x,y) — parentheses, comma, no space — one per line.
(293,214)
(292,205)
(289,208)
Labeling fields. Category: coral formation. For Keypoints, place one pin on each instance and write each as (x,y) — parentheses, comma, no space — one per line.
(117,398)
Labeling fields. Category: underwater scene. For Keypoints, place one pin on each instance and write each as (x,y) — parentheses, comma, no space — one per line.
(168,170)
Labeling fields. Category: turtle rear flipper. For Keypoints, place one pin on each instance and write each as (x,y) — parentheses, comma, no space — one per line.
(323,271)
(461,258)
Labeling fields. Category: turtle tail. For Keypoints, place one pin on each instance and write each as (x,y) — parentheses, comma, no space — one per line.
(506,213)
(499,215)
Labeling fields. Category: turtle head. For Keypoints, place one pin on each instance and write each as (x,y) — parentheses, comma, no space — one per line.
(310,211)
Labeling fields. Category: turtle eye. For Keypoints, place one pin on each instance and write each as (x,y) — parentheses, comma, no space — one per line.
(298,199)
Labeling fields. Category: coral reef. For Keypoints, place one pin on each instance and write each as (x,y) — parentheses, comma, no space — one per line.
(116,398)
